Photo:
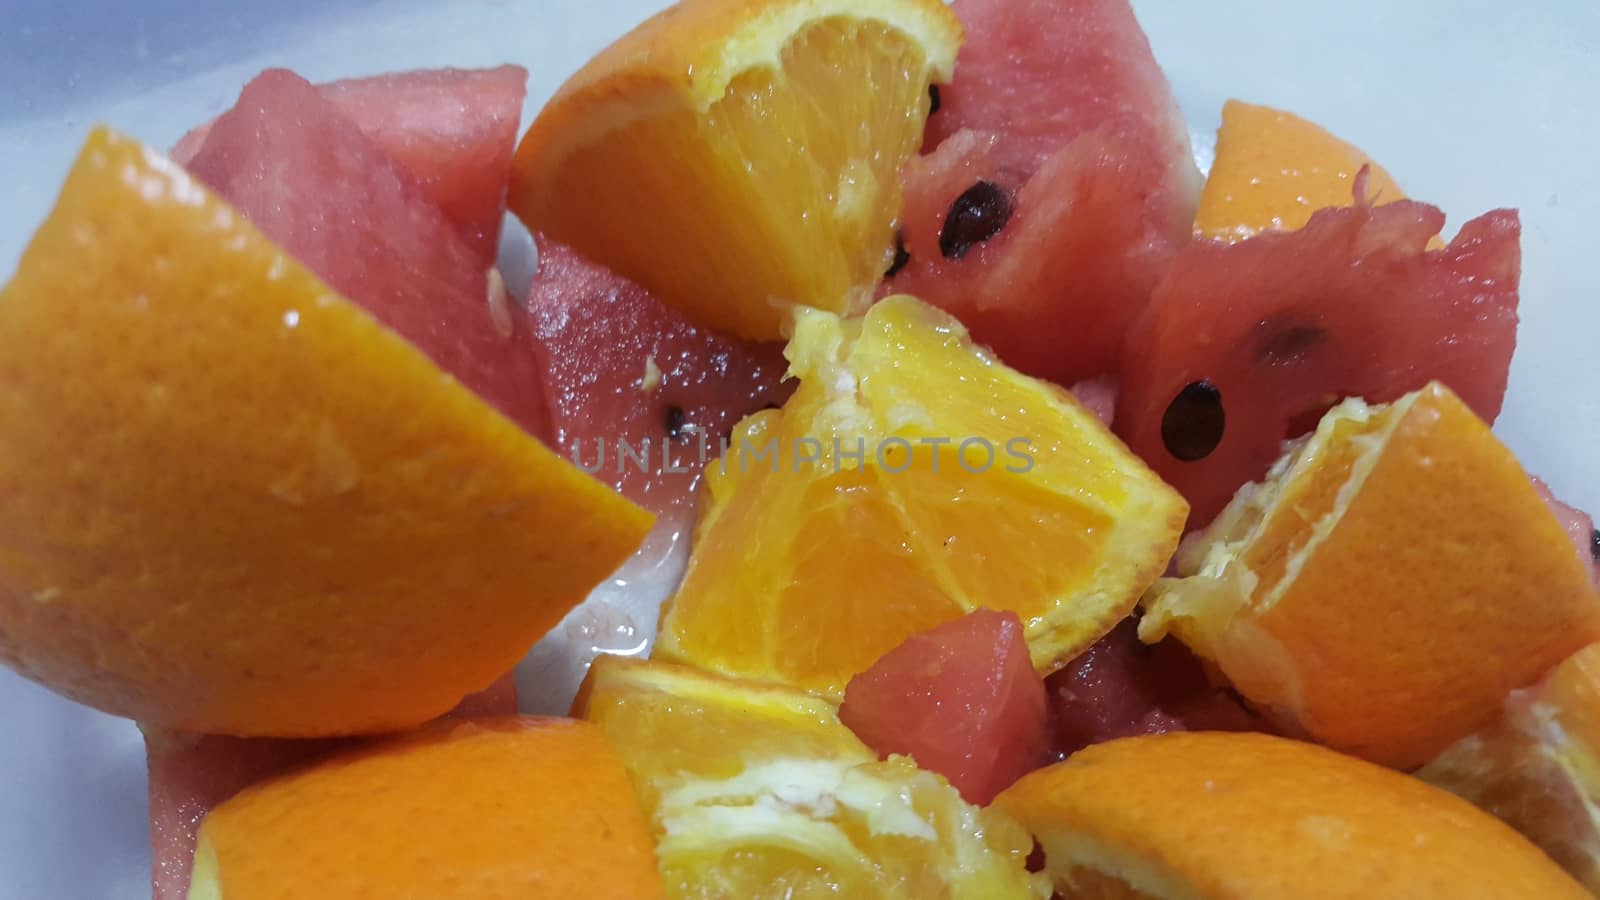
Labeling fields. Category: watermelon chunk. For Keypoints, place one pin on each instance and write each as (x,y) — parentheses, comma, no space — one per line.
(311,180)
(1244,345)
(1058,185)
(1121,688)
(1578,525)
(619,366)
(961,699)
(189,777)
(454,129)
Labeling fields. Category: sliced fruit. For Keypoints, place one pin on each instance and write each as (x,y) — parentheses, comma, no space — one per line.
(961,699)
(1121,687)
(1274,169)
(752,150)
(1058,184)
(758,792)
(476,808)
(190,774)
(911,479)
(1394,578)
(1247,344)
(306,175)
(1578,525)
(454,129)
(1537,767)
(236,503)
(1039,73)
(1254,817)
(624,373)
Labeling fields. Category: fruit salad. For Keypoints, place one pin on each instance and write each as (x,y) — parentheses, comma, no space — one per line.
(1036,514)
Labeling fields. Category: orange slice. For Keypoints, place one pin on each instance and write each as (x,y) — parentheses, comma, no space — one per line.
(236,503)
(476,809)
(760,792)
(1218,816)
(1391,581)
(1274,169)
(737,157)
(1537,767)
(911,479)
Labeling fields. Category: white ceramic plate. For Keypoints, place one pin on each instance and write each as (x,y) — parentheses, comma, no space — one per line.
(1468,107)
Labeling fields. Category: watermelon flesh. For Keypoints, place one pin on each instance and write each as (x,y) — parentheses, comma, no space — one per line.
(189,778)
(1578,526)
(620,366)
(1060,107)
(312,181)
(454,129)
(1120,687)
(1285,324)
(961,699)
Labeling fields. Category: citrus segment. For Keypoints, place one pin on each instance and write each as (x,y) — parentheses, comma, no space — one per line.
(1537,767)
(910,479)
(751,150)
(1391,581)
(759,792)
(1274,169)
(237,504)
(1207,816)
(478,808)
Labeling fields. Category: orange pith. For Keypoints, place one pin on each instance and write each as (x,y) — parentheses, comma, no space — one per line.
(1207,816)
(760,792)
(1274,169)
(1393,579)
(804,573)
(751,151)
(1537,767)
(481,808)
(237,504)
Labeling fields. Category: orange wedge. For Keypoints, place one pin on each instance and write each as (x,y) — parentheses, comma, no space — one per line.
(1274,169)
(235,503)
(738,157)
(477,809)
(1218,816)
(1537,767)
(1391,581)
(760,792)
(912,478)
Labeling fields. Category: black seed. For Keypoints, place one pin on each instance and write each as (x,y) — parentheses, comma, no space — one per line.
(933,99)
(1283,343)
(1594,545)
(976,216)
(674,422)
(1192,426)
(771,405)
(902,256)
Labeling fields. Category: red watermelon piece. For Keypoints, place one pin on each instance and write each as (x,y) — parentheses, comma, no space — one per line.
(1061,119)
(1284,325)
(454,129)
(1120,687)
(1088,237)
(961,699)
(314,182)
(597,338)
(1578,525)
(1099,396)
(189,777)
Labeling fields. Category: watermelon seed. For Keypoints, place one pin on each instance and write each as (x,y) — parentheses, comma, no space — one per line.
(902,256)
(1284,345)
(675,422)
(933,99)
(1193,424)
(1594,545)
(977,215)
